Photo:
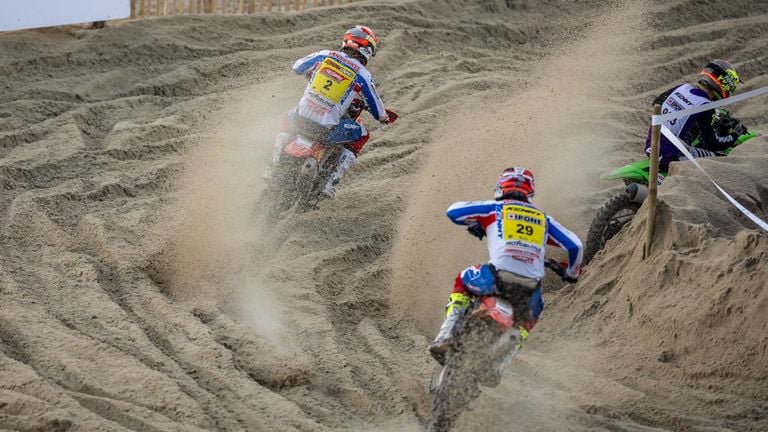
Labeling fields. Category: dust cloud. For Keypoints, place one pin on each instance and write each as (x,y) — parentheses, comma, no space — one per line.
(556,127)
(217,244)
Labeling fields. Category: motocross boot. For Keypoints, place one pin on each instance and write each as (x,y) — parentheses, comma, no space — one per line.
(346,160)
(281,140)
(454,310)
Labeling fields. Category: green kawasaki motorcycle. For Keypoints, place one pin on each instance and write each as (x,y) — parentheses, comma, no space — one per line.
(620,209)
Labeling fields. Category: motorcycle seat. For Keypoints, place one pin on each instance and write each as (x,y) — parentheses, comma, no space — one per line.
(512,279)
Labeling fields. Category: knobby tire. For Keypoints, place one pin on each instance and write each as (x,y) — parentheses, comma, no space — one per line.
(459,385)
(281,193)
(604,227)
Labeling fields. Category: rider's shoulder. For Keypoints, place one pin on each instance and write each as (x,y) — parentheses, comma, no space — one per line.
(312,58)
(464,204)
(365,73)
(700,96)
(321,53)
(704,97)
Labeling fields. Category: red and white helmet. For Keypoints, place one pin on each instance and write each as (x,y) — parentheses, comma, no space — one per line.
(516,179)
(362,39)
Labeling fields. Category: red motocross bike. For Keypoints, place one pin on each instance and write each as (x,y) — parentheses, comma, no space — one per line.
(305,165)
(484,342)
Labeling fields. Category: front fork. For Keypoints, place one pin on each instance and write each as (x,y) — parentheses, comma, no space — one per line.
(504,350)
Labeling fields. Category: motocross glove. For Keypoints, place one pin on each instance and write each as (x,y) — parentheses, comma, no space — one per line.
(723,123)
(476,230)
(740,129)
(568,278)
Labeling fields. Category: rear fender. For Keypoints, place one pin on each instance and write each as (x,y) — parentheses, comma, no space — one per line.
(497,309)
(302,148)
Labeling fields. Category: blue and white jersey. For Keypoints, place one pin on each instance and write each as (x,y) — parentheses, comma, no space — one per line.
(335,80)
(517,235)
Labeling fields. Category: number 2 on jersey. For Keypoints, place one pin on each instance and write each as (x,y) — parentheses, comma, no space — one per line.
(332,80)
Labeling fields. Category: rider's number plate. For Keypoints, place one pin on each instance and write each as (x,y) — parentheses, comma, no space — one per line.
(332,80)
(523,224)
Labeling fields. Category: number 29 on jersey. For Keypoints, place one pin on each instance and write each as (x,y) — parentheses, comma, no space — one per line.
(523,224)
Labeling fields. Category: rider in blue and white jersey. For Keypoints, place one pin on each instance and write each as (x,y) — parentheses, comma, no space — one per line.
(714,131)
(517,233)
(339,88)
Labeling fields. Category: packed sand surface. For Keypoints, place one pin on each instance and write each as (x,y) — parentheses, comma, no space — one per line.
(141,290)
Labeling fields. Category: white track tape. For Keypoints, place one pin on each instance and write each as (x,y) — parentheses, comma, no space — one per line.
(680,146)
(659,119)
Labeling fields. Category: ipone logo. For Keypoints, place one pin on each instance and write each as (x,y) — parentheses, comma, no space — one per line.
(524,218)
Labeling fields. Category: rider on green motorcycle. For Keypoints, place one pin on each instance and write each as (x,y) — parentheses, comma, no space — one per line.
(710,133)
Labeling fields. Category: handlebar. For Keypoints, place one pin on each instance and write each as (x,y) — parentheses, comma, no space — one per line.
(558,269)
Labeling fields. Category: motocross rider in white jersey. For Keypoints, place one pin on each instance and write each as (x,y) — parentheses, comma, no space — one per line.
(339,88)
(714,131)
(517,235)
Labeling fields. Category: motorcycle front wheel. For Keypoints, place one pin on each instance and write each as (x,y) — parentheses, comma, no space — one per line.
(457,385)
(608,222)
(281,194)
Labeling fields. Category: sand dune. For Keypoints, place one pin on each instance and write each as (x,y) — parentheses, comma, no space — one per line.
(140,291)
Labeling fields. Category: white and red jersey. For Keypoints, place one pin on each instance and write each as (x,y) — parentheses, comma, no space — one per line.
(335,81)
(517,235)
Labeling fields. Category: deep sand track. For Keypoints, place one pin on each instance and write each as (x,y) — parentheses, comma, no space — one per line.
(138,290)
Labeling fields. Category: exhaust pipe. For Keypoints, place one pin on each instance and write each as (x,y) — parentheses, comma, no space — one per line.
(637,192)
